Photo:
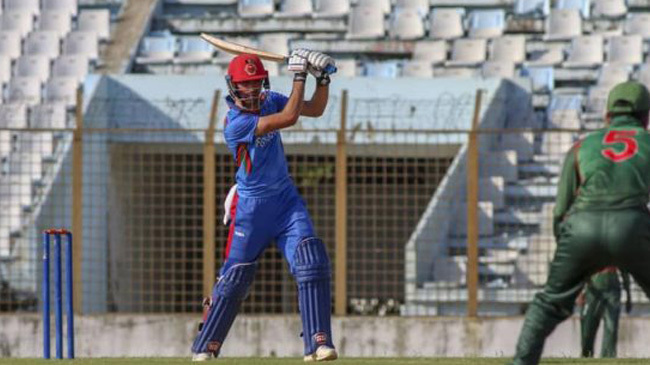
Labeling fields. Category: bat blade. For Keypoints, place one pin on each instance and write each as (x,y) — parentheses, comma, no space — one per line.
(235,48)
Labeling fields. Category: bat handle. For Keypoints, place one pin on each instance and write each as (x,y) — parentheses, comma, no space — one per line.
(330,69)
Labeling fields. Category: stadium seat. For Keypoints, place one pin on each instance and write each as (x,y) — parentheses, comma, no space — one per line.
(503,69)
(383,5)
(563,24)
(25,90)
(417,69)
(612,74)
(564,111)
(422,6)
(346,67)
(541,77)
(36,66)
(446,23)
(388,69)
(366,23)
(81,43)
(625,49)
(48,115)
(193,50)
(467,52)
(95,20)
(15,192)
(609,9)
(62,89)
(551,55)
(486,23)
(583,6)
(5,69)
(13,115)
(156,50)
(508,48)
(19,21)
(295,9)
(643,75)
(10,44)
(433,52)
(55,21)
(66,6)
(639,24)
(331,8)
(596,100)
(585,52)
(255,8)
(28,6)
(70,66)
(406,24)
(43,43)
(276,43)
(532,8)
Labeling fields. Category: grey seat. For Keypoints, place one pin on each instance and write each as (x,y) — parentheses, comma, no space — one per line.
(585,52)
(508,48)
(26,90)
(81,43)
(67,6)
(406,24)
(468,52)
(43,43)
(563,24)
(366,22)
(446,23)
(95,20)
(55,21)
(625,49)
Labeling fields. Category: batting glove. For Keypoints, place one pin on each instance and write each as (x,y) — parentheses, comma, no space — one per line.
(320,60)
(298,61)
(227,204)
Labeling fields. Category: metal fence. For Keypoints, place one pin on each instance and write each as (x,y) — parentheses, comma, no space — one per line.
(416,221)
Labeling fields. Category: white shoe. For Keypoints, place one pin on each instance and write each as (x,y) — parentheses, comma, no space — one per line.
(203,356)
(323,353)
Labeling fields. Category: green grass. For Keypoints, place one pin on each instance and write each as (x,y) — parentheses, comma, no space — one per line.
(287,361)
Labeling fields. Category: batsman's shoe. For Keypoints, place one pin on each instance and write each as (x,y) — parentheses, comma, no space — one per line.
(203,356)
(323,353)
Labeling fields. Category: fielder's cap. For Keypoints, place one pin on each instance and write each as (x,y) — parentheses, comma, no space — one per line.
(628,97)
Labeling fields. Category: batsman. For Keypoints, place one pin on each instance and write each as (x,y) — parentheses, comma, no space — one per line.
(266,206)
(601,216)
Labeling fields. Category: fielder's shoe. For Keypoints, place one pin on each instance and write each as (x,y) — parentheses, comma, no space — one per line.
(323,353)
(203,356)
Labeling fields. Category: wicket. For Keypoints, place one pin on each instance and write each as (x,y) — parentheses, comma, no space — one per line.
(58,313)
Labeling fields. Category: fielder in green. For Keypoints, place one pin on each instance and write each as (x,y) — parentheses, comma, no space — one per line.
(600,218)
(601,300)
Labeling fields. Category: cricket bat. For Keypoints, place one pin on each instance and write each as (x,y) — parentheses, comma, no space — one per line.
(235,48)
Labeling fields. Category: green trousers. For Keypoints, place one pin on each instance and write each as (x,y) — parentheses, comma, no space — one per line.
(602,302)
(588,241)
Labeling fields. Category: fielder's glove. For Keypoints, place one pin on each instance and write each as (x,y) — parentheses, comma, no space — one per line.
(227,204)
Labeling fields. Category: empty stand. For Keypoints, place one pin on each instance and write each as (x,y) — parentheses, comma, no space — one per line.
(81,43)
(532,8)
(638,23)
(406,24)
(331,8)
(61,89)
(468,52)
(31,7)
(43,43)
(563,24)
(157,50)
(65,6)
(70,66)
(10,44)
(609,8)
(446,23)
(36,66)
(625,49)
(25,90)
(366,23)
(582,6)
(295,9)
(585,51)
(433,52)
(19,21)
(193,50)
(55,21)
(486,23)
(255,8)
(508,48)
(383,5)
(97,21)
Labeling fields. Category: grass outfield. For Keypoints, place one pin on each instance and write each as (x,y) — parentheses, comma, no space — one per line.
(288,361)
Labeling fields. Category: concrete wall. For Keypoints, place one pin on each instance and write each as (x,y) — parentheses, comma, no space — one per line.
(171,335)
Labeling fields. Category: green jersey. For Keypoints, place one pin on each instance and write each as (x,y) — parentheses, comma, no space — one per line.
(608,169)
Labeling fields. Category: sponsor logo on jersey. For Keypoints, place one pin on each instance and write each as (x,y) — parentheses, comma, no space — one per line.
(266,139)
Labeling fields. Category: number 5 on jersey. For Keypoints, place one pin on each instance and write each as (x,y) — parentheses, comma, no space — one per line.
(626,137)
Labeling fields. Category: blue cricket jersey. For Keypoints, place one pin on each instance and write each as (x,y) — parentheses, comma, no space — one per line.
(263,169)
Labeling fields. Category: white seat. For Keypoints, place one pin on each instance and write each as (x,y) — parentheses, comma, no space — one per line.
(15,191)
(383,5)
(61,89)
(422,6)
(468,52)
(43,43)
(563,24)
(609,8)
(5,69)
(564,111)
(6,143)
(255,8)
(33,66)
(430,51)
(194,50)
(13,115)
(643,76)
(585,52)
(388,69)
(55,21)
(28,6)
(346,67)
(534,8)
(510,48)
(81,43)
(417,69)
(95,20)
(612,74)
(10,44)
(625,49)
(67,6)
(486,23)
(19,21)
(446,23)
(275,42)
(542,78)
(331,8)
(48,116)
(157,50)
(25,90)
(70,66)
(406,24)
(295,9)
(503,69)
(583,6)
(366,23)
(596,100)
(551,55)
(638,23)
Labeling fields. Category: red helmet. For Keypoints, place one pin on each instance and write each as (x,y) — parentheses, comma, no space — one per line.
(246,67)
